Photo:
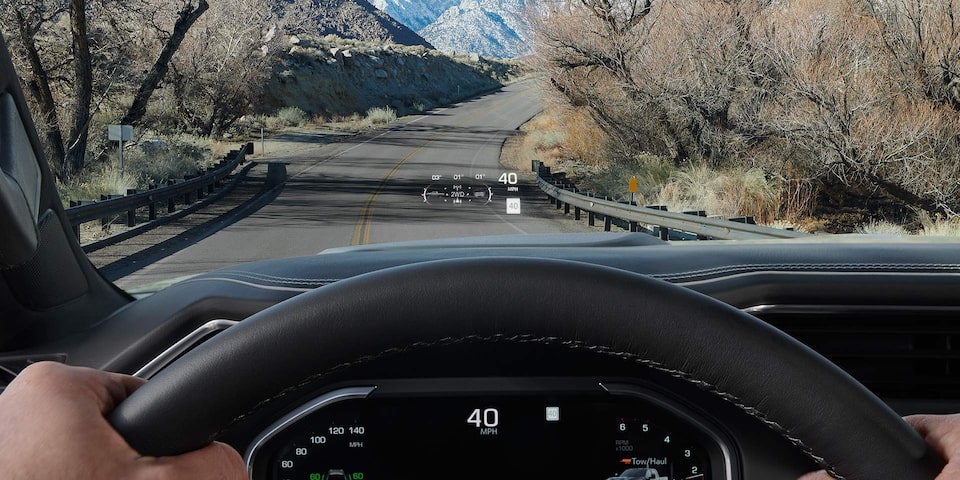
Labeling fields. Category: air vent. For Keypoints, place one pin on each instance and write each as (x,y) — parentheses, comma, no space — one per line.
(896,352)
(11,366)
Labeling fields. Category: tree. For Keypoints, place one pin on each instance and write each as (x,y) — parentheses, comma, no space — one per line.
(223,65)
(672,78)
(188,15)
(857,111)
(867,91)
(83,72)
(922,39)
(27,21)
(69,73)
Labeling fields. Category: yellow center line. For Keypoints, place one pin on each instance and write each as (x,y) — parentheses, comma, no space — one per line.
(366,214)
(361,233)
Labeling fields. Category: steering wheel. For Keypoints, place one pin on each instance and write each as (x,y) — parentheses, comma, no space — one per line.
(801,395)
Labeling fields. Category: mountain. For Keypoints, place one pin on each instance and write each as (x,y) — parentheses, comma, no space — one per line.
(415,14)
(359,20)
(494,28)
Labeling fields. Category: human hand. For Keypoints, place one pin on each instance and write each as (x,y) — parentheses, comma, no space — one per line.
(942,432)
(54,426)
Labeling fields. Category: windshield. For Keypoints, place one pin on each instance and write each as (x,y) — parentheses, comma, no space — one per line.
(248,131)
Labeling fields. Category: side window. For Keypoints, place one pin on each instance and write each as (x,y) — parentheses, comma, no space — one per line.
(17,161)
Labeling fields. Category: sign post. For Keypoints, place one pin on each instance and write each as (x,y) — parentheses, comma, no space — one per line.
(120,133)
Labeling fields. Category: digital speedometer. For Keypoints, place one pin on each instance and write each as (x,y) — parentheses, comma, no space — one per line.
(519,434)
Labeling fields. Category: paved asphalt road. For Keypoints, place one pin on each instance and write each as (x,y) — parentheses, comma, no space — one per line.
(369,189)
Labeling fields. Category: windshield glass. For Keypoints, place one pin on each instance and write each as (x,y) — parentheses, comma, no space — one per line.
(242,130)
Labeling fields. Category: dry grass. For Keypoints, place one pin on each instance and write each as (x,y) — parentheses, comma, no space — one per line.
(102,180)
(882,227)
(536,140)
(584,139)
(150,162)
(939,227)
(729,193)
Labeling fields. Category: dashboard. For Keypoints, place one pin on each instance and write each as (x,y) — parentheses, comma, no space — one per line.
(492,428)
(475,411)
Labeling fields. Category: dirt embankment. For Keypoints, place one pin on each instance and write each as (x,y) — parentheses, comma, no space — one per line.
(336,77)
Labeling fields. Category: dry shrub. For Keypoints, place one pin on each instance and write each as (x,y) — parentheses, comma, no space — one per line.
(380,116)
(732,193)
(292,116)
(584,140)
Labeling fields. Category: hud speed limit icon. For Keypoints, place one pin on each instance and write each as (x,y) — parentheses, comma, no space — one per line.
(513,206)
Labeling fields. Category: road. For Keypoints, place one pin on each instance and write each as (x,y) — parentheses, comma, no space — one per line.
(369,189)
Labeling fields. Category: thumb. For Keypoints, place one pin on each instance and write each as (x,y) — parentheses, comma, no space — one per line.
(217,461)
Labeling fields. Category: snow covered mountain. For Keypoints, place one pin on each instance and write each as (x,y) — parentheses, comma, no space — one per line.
(494,28)
(415,14)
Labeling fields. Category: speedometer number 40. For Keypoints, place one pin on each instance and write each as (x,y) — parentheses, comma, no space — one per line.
(508,178)
(488,417)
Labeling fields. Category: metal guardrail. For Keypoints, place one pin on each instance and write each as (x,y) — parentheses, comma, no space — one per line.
(183,191)
(693,222)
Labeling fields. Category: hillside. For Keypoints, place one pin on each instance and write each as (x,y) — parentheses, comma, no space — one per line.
(336,77)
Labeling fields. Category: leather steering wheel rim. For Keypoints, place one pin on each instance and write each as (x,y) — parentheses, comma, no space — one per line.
(769,375)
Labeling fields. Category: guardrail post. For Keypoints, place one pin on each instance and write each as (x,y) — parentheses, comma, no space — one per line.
(131,214)
(576,213)
(591,219)
(606,223)
(633,227)
(172,201)
(104,221)
(664,233)
(75,228)
(566,208)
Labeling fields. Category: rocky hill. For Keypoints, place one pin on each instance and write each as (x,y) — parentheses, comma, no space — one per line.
(331,76)
(358,19)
